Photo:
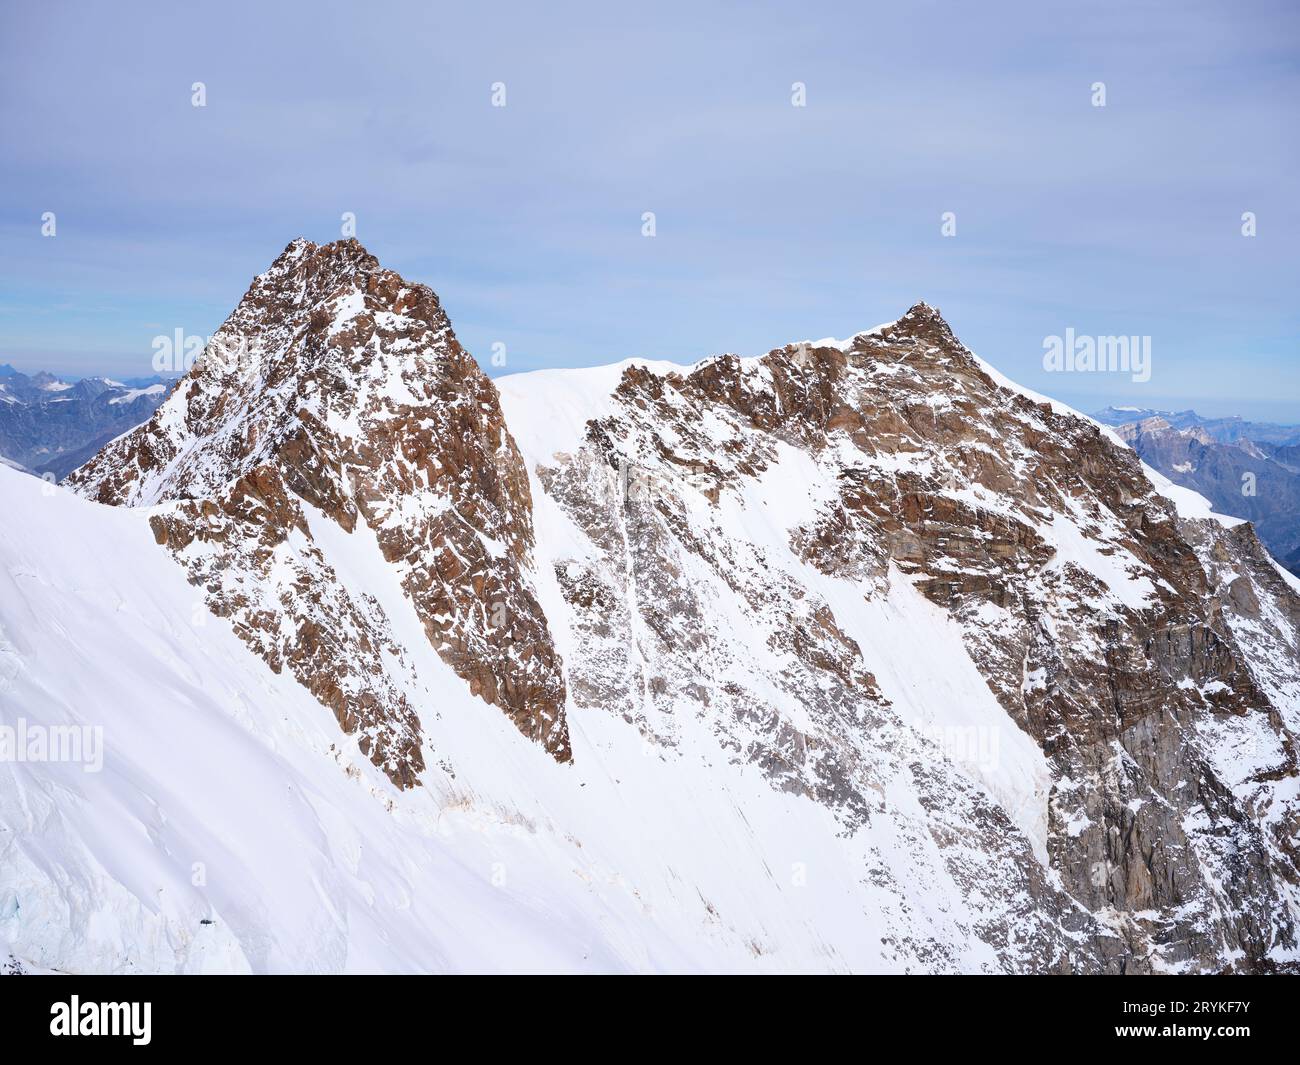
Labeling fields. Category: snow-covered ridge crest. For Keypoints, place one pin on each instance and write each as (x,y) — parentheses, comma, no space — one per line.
(598,382)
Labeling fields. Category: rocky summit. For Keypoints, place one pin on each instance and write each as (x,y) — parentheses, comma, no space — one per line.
(336,392)
(854,656)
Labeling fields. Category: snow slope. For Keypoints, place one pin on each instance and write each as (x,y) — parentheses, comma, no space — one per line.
(306,857)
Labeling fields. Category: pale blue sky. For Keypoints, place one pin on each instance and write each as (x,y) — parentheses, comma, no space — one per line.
(775,223)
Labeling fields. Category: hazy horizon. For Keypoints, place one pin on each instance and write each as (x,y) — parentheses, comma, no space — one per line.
(1206,406)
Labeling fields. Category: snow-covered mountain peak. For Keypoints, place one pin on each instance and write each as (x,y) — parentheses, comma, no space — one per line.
(338,388)
(895,464)
(1023,714)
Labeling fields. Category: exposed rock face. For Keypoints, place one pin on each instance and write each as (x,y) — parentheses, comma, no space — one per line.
(1141,651)
(339,389)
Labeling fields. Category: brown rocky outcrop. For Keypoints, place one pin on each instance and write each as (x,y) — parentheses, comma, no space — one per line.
(338,386)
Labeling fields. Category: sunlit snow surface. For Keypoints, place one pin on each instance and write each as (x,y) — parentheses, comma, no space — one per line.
(228,795)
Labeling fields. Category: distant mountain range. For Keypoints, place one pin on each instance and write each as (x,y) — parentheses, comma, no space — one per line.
(1224,430)
(51,424)
(1246,469)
